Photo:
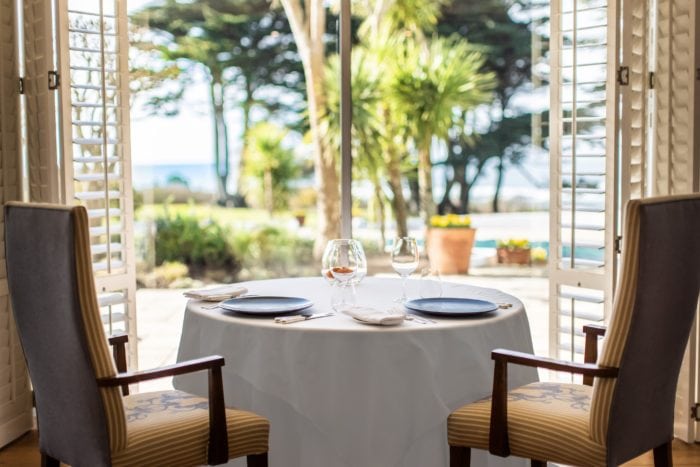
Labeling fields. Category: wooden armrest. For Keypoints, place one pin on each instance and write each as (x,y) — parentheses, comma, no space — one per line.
(590,350)
(119,338)
(190,366)
(595,329)
(218,434)
(118,342)
(526,359)
(498,433)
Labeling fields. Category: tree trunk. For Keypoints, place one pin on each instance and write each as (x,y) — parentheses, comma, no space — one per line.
(499,183)
(425,184)
(446,205)
(247,104)
(308,27)
(267,190)
(398,201)
(221,154)
(381,216)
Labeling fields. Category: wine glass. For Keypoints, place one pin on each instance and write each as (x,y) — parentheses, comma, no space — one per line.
(361,270)
(341,261)
(404,260)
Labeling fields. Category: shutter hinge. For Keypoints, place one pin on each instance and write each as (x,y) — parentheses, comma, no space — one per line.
(20,87)
(617,244)
(652,80)
(623,75)
(54,80)
(694,412)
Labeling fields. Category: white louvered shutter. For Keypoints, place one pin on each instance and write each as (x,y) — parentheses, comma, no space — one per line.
(676,151)
(15,393)
(583,149)
(96,166)
(40,102)
(636,101)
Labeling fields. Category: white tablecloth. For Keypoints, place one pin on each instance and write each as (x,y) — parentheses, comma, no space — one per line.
(342,394)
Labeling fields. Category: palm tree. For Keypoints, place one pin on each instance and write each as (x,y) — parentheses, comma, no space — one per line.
(270,162)
(307,20)
(431,85)
(366,130)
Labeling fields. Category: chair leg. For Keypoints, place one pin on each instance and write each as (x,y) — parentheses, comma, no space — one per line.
(535,463)
(48,461)
(460,456)
(257,460)
(663,455)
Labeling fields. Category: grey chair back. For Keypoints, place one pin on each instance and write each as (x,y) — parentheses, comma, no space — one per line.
(40,255)
(664,306)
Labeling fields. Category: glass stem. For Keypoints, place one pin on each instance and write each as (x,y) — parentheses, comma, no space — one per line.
(403,288)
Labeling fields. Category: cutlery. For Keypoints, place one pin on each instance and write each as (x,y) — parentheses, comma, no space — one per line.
(297,318)
(218,305)
(419,320)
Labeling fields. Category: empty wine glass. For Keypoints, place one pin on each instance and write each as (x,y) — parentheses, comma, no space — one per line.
(342,259)
(404,260)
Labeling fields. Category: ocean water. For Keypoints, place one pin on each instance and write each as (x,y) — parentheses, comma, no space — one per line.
(199,177)
(202,177)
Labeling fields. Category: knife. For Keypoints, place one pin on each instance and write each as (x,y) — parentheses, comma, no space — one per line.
(296,318)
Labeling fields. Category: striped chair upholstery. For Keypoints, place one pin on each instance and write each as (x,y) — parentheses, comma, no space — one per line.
(621,417)
(171,428)
(542,418)
(55,305)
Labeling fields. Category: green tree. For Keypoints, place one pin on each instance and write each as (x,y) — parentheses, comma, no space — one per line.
(240,46)
(271,164)
(308,20)
(366,131)
(431,86)
(507,42)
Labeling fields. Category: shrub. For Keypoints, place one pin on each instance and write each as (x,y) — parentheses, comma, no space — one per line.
(186,239)
(273,252)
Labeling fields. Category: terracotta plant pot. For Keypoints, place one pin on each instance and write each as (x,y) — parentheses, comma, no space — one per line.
(513,255)
(450,249)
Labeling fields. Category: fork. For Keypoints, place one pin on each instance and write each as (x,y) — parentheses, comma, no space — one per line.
(218,305)
(419,320)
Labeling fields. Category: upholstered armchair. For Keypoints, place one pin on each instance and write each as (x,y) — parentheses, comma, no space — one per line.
(625,406)
(85,415)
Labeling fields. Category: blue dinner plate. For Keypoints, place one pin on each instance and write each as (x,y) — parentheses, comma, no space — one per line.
(266,305)
(446,306)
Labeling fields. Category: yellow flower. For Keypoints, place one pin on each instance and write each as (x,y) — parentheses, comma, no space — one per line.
(450,220)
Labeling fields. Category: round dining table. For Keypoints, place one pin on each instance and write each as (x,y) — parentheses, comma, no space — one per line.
(340,393)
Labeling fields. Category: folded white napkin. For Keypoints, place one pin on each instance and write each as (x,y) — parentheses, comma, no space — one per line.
(216,294)
(369,315)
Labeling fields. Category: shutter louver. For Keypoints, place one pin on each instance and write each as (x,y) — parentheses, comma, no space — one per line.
(635,96)
(96,157)
(583,139)
(15,392)
(674,97)
(43,178)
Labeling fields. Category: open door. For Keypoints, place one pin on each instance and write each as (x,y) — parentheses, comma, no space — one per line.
(583,166)
(93,48)
(15,391)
